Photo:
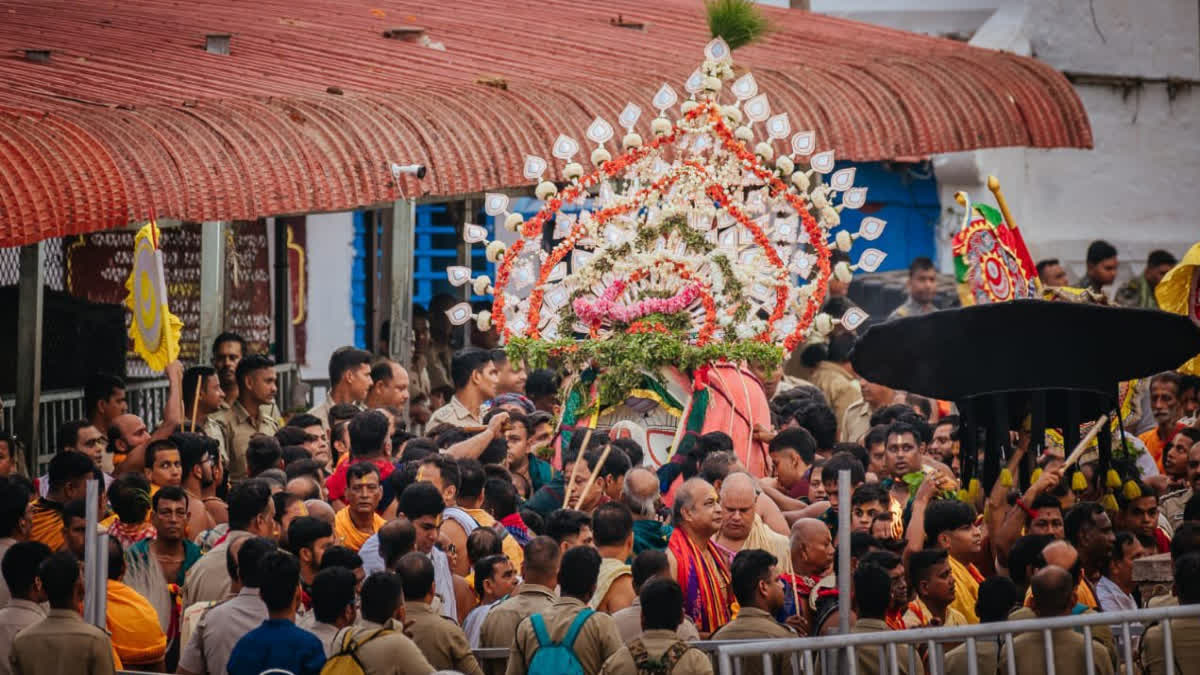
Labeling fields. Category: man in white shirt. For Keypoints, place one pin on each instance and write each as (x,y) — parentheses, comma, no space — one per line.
(1114,591)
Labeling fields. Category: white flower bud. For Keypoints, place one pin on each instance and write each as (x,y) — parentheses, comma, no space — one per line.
(513,222)
(632,140)
(545,190)
(483,321)
(764,150)
(732,113)
(784,164)
(572,171)
(744,134)
(481,285)
(687,106)
(712,83)
(818,199)
(842,272)
(830,216)
(823,323)
(495,251)
(600,156)
(800,180)
(661,126)
(844,240)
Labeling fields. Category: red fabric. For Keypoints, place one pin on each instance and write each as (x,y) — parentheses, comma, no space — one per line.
(336,484)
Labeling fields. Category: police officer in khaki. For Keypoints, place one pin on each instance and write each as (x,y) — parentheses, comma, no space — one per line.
(539,574)
(254,411)
(754,576)
(662,602)
(61,643)
(377,642)
(438,637)
(1185,633)
(598,638)
(1054,595)
(872,594)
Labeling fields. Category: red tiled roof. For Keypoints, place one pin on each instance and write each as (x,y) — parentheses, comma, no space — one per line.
(132,116)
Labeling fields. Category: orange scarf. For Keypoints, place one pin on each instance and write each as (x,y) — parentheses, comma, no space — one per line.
(348,532)
(48,524)
(133,623)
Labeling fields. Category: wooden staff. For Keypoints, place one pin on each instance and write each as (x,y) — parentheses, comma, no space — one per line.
(587,437)
(993,184)
(196,401)
(1091,434)
(591,479)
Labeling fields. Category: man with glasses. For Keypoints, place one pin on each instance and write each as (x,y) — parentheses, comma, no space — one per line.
(81,437)
(197,459)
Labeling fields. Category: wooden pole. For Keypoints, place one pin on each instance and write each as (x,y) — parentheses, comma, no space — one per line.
(1079,449)
(993,184)
(575,467)
(591,479)
(196,401)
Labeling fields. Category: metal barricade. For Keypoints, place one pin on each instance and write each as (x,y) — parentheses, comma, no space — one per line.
(893,648)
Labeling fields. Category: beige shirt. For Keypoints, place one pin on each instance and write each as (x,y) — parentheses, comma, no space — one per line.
(212,429)
(629,624)
(5,544)
(62,644)
(1171,507)
(597,640)
(325,632)
(867,658)
(1102,635)
(17,615)
(455,414)
(855,423)
(1029,652)
(1185,639)
(753,623)
(656,643)
(219,630)
(237,427)
(440,639)
(987,653)
(208,579)
(841,388)
(390,654)
(438,366)
(501,623)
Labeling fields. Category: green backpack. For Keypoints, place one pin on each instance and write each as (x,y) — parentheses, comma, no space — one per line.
(557,658)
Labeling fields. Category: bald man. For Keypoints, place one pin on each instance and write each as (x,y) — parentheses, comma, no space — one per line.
(742,527)
(696,562)
(1054,595)
(304,487)
(811,555)
(318,508)
(389,386)
(640,493)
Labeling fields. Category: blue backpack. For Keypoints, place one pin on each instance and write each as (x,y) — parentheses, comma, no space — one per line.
(557,658)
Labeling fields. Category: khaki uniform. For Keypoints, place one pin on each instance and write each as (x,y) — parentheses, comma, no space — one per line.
(208,580)
(754,623)
(1029,652)
(212,642)
(867,658)
(212,429)
(18,615)
(1171,507)
(656,643)
(390,654)
(841,388)
(325,632)
(1185,639)
(501,623)
(440,639)
(1101,634)
(62,644)
(855,423)
(596,642)
(629,624)
(237,428)
(438,366)
(454,413)
(987,655)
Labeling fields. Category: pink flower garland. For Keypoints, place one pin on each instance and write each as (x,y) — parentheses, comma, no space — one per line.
(606,307)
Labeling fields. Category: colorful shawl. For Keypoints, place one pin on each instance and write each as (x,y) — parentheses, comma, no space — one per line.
(650,534)
(804,586)
(704,578)
(517,528)
(132,533)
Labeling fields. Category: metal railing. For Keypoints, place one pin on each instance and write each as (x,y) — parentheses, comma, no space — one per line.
(730,657)
(146,399)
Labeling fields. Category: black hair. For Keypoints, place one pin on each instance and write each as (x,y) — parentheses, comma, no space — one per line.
(68,466)
(228,337)
(68,433)
(59,573)
(381,371)
(843,461)
(885,559)
(157,446)
(417,449)
(890,413)
(360,470)
(632,449)
(471,477)
(196,375)
(946,515)
(249,560)
(564,523)
(404,475)
(249,364)
(499,498)
(540,383)
(341,556)
(484,568)
(262,452)
(905,426)
(381,595)
(368,430)
(1026,552)
(1079,518)
(840,346)
(612,524)
(304,467)
(446,435)
(599,439)
(858,450)
(717,466)
(647,565)
(921,562)
(867,493)
(1159,257)
(465,362)
(20,564)
(332,592)
(482,542)
(876,436)
(291,436)
(1186,540)
(495,452)
(342,412)
(76,508)
(749,567)
(343,359)
(1100,250)
(920,264)
(578,571)
(416,570)
(662,605)
(14,501)
(395,539)
(1045,501)
(799,440)
(129,495)
(304,531)
(533,520)
(1187,578)
(872,591)
(447,467)
(818,418)
(1191,510)
(304,421)
(280,577)
(100,387)
(616,464)
(169,493)
(193,448)
(1043,264)
(421,499)
(247,500)
(997,597)
(294,453)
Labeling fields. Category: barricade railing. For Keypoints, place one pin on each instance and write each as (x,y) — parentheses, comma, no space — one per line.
(821,654)
(145,399)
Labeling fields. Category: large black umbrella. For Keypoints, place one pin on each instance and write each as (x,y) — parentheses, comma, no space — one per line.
(1058,361)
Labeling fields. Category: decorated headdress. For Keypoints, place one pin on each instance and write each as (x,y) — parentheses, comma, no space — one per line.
(707,240)
(991,261)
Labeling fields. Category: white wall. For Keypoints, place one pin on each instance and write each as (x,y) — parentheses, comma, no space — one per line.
(330,256)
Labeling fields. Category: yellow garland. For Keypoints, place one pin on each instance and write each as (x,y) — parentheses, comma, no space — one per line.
(1109,503)
(1113,479)
(1078,482)
(1006,479)
(1131,490)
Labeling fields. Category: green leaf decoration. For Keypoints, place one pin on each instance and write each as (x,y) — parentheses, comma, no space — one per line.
(738,22)
(990,214)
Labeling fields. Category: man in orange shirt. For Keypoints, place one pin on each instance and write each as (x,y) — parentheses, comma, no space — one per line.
(1164,403)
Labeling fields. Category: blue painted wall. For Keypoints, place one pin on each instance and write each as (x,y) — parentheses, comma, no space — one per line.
(906,196)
